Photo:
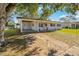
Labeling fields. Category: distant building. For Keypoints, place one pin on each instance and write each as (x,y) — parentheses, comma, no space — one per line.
(71,24)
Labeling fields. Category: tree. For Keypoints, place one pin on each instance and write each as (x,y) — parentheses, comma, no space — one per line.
(51,8)
(10,24)
(4,11)
(31,11)
(28,10)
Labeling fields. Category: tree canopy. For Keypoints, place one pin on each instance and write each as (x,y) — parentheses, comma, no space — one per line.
(30,10)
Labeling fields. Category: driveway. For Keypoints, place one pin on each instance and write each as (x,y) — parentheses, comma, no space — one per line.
(43,45)
(61,47)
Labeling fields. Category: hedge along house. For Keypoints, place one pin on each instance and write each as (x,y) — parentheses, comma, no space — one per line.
(31,25)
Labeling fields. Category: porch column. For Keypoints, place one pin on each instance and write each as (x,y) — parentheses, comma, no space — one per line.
(70,25)
(55,26)
(75,25)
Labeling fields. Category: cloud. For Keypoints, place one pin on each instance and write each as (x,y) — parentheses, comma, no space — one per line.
(62,16)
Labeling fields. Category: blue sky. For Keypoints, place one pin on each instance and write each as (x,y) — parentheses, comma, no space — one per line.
(57,15)
(54,17)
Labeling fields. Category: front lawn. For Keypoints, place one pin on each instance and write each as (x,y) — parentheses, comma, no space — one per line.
(69,36)
(70,31)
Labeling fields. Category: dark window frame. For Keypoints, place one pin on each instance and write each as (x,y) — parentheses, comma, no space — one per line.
(52,24)
(58,25)
(40,25)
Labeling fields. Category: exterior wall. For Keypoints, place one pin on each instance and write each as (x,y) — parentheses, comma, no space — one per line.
(26,25)
(66,24)
(75,25)
(35,26)
(43,27)
(71,24)
(51,27)
(59,27)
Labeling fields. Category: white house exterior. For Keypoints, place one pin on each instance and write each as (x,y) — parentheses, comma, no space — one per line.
(71,24)
(29,25)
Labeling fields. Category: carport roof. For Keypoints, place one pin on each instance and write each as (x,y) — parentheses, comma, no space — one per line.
(33,20)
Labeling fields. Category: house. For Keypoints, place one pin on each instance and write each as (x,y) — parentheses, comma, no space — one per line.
(71,24)
(30,25)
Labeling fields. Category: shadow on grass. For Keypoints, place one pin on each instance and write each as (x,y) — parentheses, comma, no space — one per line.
(17,44)
(32,52)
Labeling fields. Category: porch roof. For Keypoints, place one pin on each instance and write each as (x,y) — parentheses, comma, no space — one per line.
(43,21)
(72,22)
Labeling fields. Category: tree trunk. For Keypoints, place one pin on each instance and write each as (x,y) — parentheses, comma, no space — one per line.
(2,28)
(2,22)
(5,9)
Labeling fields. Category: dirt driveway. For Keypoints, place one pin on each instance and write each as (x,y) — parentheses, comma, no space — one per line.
(61,47)
(43,45)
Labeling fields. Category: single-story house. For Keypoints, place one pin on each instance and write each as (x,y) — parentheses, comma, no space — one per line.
(29,25)
(71,24)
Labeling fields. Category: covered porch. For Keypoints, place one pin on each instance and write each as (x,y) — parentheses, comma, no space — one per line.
(75,25)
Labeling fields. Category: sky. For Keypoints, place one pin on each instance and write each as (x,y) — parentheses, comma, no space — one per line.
(54,17)
(57,15)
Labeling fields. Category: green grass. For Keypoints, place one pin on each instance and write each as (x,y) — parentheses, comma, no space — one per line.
(70,31)
(70,36)
(11,32)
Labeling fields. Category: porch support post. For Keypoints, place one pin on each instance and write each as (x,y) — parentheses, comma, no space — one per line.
(55,26)
(75,25)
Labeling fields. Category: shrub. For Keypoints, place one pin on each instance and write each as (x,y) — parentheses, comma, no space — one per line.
(11,32)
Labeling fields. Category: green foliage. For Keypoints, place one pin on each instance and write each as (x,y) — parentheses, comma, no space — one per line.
(11,32)
(47,11)
(28,10)
(31,9)
(10,23)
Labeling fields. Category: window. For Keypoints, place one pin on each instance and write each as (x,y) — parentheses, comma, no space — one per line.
(45,24)
(40,25)
(32,24)
(52,24)
(58,25)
